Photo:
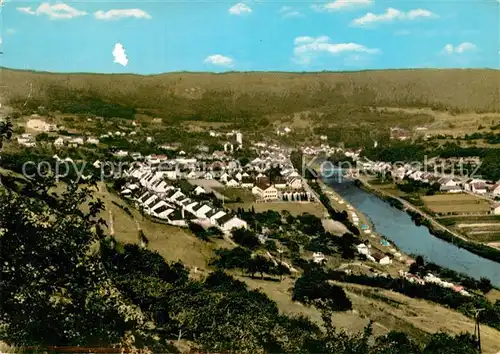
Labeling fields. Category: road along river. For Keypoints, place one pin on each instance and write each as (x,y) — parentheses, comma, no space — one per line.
(397,226)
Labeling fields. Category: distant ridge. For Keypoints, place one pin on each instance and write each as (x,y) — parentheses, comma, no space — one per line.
(474,90)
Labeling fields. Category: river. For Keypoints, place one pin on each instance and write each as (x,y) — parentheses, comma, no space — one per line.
(397,226)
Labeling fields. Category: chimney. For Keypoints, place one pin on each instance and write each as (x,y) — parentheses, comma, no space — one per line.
(182,213)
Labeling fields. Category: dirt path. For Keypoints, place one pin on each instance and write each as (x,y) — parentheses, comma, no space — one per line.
(111,225)
(334,227)
(478,225)
(495,245)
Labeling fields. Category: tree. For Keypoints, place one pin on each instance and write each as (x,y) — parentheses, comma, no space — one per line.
(313,288)
(485,285)
(259,264)
(245,238)
(236,258)
(442,343)
(198,230)
(394,343)
(346,245)
(414,268)
(42,137)
(54,289)
(270,245)
(5,130)
(280,270)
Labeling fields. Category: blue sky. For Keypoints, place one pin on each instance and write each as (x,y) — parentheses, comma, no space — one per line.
(150,37)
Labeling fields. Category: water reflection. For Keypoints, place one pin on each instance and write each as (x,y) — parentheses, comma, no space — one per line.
(398,227)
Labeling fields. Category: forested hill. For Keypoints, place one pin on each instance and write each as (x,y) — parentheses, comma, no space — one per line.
(256,94)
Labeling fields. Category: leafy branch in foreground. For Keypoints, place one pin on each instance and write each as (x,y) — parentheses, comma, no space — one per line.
(6,129)
(53,287)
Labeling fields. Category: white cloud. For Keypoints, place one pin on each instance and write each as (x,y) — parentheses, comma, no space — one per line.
(338,5)
(122,13)
(26,10)
(289,12)
(449,48)
(240,9)
(392,15)
(119,55)
(219,60)
(306,48)
(1,40)
(292,14)
(459,49)
(307,39)
(59,11)
(465,47)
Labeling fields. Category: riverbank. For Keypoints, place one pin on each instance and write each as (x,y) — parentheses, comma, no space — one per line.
(355,219)
(435,228)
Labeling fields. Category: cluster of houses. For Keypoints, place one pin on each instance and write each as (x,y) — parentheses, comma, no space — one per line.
(26,140)
(254,176)
(119,134)
(448,184)
(400,134)
(374,256)
(150,185)
(432,279)
(326,149)
(155,196)
(283,131)
(75,141)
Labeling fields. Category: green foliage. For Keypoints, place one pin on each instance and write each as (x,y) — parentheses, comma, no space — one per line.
(246,238)
(203,234)
(236,258)
(313,288)
(442,343)
(42,137)
(53,288)
(56,290)
(6,128)
(334,214)
(58,98)
(397,152)
(242,259)
(133,260)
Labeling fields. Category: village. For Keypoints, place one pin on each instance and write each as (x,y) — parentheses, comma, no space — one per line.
(180,188)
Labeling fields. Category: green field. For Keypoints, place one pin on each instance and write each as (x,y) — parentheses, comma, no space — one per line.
(456,204)
(234,194)
(485,237)
(467,219)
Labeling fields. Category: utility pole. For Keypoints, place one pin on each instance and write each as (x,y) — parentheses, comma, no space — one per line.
(477,329)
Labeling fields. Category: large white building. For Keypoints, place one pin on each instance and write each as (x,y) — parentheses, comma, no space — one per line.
(229,222)
(239,138)
(265,192)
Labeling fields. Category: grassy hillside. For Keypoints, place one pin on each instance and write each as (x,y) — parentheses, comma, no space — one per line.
(219,96)
(354,108)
